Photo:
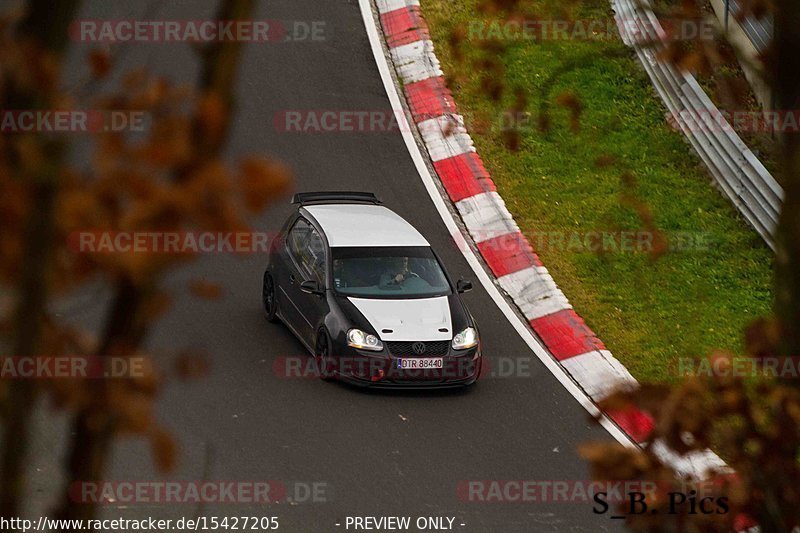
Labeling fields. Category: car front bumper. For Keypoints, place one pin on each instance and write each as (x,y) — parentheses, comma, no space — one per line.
(379,370)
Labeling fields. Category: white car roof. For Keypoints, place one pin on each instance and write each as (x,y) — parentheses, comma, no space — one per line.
(355,225)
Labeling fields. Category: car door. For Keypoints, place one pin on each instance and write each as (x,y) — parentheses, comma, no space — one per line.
(313,266)
(289,289)
(307,261)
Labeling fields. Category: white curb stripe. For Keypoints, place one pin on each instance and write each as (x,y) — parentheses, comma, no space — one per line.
(697,464)
(486,216)
(416,61)
(534,292)
(599,373)
(385,6)
(445,136)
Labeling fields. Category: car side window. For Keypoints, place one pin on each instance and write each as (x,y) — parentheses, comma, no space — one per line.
(298,236)
(308,249)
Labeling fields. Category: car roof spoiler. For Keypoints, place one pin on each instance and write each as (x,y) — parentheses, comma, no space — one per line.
(303,198)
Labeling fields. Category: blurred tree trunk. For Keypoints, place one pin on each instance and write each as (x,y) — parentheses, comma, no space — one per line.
(125,328)
(221,59)
(786,75)
(46,23)
(220,62)
(93,427)
(49,22)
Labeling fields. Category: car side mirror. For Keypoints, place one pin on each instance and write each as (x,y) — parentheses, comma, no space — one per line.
(464,285)
(312,287)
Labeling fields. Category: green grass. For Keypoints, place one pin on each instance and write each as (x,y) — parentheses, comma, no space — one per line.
(649,312)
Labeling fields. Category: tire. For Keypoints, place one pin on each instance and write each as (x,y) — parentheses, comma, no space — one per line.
(268,299)
(322,350)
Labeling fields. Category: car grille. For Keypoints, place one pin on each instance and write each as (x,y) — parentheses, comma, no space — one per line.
(406,348)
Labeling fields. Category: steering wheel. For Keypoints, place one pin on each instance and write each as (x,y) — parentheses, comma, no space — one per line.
(408,274)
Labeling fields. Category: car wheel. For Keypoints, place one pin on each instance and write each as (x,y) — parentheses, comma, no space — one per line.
(322,355)
(268,298)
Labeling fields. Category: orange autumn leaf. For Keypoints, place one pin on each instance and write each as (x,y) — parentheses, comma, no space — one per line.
(262,181)
(211,116)
(100,63)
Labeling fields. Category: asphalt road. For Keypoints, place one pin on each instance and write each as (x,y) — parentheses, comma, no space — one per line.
(378,454)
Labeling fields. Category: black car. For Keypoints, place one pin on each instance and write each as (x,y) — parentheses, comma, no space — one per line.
(366,294)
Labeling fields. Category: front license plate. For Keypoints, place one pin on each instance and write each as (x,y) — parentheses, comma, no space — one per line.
(418,363)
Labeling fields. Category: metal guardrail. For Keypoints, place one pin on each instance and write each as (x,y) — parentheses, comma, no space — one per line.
(736,170)
(759,31)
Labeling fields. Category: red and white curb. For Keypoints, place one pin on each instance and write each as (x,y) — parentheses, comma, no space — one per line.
(505,250)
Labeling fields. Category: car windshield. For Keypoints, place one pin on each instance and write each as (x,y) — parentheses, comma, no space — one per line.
(388,272)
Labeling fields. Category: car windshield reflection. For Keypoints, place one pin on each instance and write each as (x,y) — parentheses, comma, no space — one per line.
(390,272)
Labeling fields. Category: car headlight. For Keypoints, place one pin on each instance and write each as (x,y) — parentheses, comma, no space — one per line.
(363,341)
(466,339)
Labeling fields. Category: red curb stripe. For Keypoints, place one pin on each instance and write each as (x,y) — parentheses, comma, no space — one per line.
(635,422)
(508,253)
(743,522)
(566,334)
(404,26)
(463,176)
(429,98)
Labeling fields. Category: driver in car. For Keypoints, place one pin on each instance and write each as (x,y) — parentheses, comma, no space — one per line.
(397,272)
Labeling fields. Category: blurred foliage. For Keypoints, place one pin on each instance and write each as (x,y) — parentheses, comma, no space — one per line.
(169,178)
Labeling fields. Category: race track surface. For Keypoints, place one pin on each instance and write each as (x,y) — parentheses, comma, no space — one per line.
(377,453)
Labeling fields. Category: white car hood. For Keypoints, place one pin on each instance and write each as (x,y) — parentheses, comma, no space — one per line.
(409,320)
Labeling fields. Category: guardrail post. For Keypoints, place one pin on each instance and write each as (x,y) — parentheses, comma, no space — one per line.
(727,12)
